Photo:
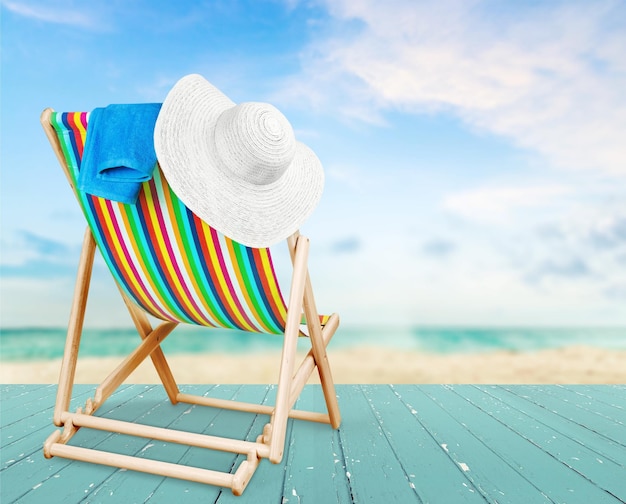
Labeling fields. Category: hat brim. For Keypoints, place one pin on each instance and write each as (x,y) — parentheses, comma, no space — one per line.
(251,214)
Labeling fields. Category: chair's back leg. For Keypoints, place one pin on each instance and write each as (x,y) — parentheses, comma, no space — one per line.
(81,290)
(317,342)
(75,328)
(321,357)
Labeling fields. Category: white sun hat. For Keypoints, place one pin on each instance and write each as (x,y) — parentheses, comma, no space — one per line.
(237,167)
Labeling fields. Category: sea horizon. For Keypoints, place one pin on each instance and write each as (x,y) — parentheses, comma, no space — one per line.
(46,343)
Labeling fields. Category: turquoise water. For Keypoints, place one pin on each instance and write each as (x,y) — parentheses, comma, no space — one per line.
(31,344)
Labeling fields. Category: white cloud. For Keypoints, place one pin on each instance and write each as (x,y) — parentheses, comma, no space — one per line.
(58,14)
(549,77)
(496,205)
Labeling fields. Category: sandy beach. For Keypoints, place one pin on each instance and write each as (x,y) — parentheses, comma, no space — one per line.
(576,364)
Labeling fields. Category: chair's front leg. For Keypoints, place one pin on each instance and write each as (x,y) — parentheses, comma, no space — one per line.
(292,327)
(75,328)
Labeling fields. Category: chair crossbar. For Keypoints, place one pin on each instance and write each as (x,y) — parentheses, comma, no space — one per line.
(261,409)
(123,371)
(308,365)
(163,434)
(237,481)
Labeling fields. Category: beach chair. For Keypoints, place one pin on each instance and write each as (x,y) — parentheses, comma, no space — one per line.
(170,264)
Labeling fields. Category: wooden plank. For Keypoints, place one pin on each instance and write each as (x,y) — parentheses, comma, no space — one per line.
(434,474)
(611,395)
(10,391)
(35,420)
(314,454)
(16,396)
(615,410)
(570,427)
(70,481)
(508,444)
(308,445)
(547,398)
(491,474)
(85,477)
(38,427)
(139,486)
(233,424)
(267,483)
(26,401)
(571,394)
(564,469)
(372,467)
(544,429)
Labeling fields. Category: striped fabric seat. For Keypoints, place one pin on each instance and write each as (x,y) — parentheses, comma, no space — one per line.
(170,262)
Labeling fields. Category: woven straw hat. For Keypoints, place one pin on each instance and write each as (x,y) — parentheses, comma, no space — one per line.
(238,167)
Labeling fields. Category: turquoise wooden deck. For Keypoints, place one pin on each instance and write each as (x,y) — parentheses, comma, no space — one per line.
(405,444)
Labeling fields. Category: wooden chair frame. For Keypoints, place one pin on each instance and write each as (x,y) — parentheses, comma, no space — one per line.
(271,441)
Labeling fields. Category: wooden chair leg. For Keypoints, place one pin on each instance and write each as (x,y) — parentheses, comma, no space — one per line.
(321,357)
(75,328)
(281,413)
(317,341)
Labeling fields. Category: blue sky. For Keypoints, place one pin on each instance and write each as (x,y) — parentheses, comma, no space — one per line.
(474,150)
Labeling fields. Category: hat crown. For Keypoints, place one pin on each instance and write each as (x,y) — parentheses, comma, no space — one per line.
(255,142)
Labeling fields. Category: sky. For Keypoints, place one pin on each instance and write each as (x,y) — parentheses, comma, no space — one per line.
(474,150)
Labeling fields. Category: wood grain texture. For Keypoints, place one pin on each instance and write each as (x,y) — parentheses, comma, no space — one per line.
(404,443)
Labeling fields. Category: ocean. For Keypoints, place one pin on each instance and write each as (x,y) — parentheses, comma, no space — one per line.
(27,344)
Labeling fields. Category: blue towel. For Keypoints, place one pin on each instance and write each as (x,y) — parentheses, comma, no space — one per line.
(119,151)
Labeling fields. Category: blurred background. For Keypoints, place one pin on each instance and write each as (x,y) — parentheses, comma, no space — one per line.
(474,156)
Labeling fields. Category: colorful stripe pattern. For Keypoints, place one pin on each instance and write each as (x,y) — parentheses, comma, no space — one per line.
(169,261)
